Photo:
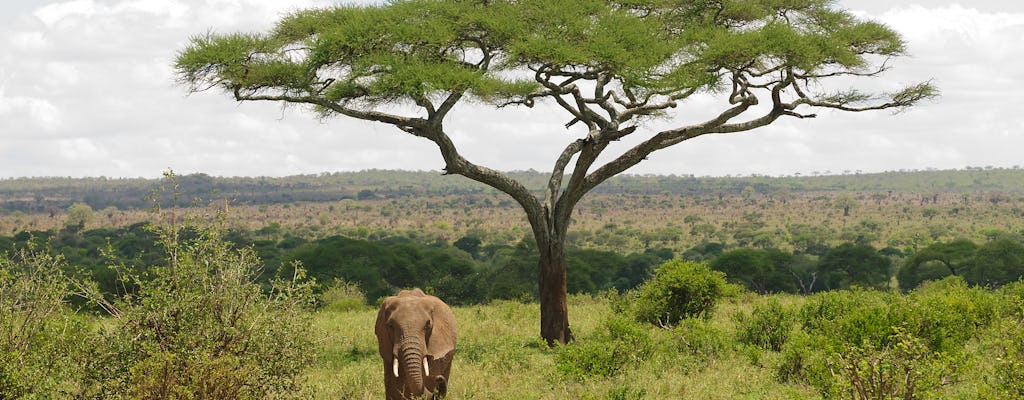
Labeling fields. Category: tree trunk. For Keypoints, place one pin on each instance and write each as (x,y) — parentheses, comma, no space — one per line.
(551,276)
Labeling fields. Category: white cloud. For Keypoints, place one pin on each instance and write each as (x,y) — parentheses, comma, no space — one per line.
(80,150)
(93,80)
(52,14)
(27,114)
(29,41)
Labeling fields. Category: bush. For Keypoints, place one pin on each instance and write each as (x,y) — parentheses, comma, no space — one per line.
(767,327)
(698,338)
(679,289)
(803,360)
(947,313)
(39,335)
(342,296)
(1007,381)
(203,328)
(852,316)
(902,370)
(623,343)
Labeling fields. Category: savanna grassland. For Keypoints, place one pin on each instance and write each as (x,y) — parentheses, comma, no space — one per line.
(266,288)
(501,357)
(905,210)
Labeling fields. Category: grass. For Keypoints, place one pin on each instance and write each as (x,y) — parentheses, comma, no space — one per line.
(501,356)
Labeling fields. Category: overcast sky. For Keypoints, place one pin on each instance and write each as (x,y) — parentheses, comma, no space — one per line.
(87,89)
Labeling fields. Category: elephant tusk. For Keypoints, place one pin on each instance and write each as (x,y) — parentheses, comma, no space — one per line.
(394,367)
(426,367)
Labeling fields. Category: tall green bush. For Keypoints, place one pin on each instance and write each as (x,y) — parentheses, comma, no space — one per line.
(39,334)
(679,289)
(203,328)
(622,343)
(767,327)
(1007,381)
(905,369)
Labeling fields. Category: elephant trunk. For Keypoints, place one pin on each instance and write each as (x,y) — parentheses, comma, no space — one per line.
(414,371)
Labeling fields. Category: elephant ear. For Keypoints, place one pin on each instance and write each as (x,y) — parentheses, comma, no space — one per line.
(384,341)
(443,335)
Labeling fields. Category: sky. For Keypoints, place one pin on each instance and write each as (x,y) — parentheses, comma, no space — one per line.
(87,89)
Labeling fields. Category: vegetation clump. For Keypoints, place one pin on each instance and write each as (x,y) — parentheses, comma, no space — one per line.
(38,330)
(204,328)
(622,343)
(767,327)
(678,290)
(201,327)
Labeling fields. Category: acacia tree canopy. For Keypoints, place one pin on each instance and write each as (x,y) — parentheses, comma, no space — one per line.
(610,65)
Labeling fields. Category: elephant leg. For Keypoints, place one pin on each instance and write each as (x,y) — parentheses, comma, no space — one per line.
(392,387)
(441,387)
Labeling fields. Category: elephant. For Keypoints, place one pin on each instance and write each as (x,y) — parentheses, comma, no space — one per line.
(416,335)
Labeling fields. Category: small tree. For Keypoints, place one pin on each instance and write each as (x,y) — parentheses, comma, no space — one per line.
(846,202)
(609,65)
(854,265)
(79,214)
(955,258)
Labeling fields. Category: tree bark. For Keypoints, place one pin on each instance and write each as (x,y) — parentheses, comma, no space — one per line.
(551,276)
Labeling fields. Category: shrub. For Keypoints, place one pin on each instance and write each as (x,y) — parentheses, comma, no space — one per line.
(203,328)
(38,333)
(947,313)
(852,316)
(902,370)
(698,338)
(803,360)
(1012,302)
(678,290)
(623,343)
(1007,381)
(342,295)
(767,327)
(627,393)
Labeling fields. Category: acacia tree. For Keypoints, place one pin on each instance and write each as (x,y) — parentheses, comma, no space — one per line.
(609,65)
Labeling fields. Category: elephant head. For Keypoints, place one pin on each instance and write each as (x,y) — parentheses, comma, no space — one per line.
(416,336)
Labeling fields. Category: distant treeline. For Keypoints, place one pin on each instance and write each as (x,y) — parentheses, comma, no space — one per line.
(467,272)
(42,194)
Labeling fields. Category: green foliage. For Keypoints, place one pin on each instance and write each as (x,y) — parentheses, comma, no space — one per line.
(202,327)
(698,338)
(623,343)
(342,296)
(905,369)
(947,313)
(937,261)
(767,327)
(678,290)
(994,263)
(79,214)
(1007,381)
(39,335)
(593,271)
(379,268)
(761,271)
(851,265)
(804,359)
(904,343)
(997,262)
(409,51)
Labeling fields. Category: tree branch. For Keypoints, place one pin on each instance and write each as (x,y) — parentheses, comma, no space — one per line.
(399,121)
(555,183)
(456,164)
